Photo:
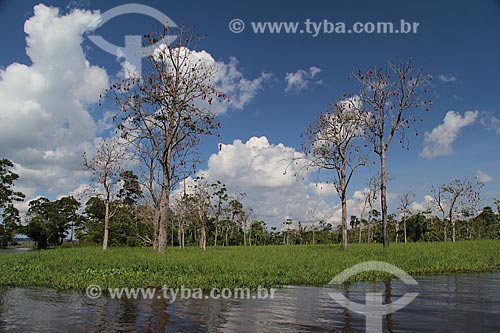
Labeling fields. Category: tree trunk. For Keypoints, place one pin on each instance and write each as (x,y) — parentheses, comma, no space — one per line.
(453,235)
(445,228)
(162,232)
(397,231)
(344,220)
(404,227)
(383,195)
(203,237)
(216,233)
(244,232)
(106,225)
(156,224)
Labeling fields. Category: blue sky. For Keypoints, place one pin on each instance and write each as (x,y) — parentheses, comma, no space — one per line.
(458,43)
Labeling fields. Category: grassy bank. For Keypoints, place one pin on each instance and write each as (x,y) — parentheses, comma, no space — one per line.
(235,266)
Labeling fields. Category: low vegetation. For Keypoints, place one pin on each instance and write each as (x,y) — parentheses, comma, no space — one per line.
(237,266)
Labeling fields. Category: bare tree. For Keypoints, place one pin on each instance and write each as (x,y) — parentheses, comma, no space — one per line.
(164,114)
(370,196)
(106,166)
(219,196)
(405,199)
(332,143)
(439,201)
(459,194)
(389,97)
(455,197)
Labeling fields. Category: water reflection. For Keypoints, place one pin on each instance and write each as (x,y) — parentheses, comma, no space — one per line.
(453,303)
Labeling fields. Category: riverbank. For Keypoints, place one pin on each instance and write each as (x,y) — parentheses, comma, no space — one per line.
(233,267)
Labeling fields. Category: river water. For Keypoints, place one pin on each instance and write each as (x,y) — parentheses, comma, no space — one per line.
(446,303)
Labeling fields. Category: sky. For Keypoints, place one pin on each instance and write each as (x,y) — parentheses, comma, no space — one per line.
(51,76)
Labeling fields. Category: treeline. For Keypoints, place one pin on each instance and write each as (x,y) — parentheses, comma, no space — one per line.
(205,214)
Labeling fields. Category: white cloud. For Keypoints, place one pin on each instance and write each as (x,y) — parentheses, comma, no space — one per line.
(490,122)
(300,79)
(439,142)
(228,78)
(323,189)
(446,78)
(44,124)
(232,82)
(483,176)
(257,167)
(426,204)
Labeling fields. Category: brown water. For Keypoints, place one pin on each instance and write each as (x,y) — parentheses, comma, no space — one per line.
(450,303)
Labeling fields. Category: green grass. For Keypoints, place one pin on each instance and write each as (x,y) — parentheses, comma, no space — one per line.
(233,267)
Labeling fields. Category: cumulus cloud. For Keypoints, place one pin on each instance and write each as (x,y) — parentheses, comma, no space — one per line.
(323,189)
(483,176)
(300,79)
(426,204)
(257,167)
(228,78)
(439,142)
(45,126)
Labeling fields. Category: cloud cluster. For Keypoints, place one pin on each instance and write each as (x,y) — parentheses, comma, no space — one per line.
(227,77)
(44,107)
(257,168)
(299,80)
(439,142)
(45,126)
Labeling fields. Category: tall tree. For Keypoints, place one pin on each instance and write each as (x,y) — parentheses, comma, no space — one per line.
(48,221)
(131,190)
(106,167)
(219,198)
(164,114)
(390,96)
(405,200)
(9,213)
(457,196)
(332,143)
(11,223)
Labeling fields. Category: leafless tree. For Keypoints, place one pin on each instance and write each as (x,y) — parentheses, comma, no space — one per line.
(390,96)
(457,196)
(333,143)
(106,166)
(164,114)
(405,199)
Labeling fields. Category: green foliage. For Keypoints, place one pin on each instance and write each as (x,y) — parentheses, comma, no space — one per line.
(48,221)
(250,266)
(11,225)
(9,214)
(7,179)
(124,228)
